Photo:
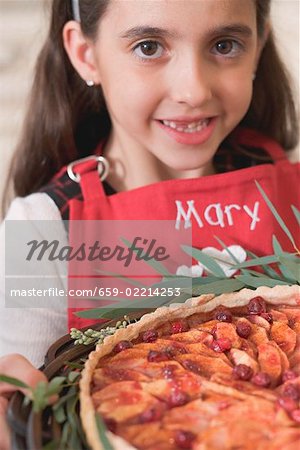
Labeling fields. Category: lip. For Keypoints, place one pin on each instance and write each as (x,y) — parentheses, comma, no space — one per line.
(196,138)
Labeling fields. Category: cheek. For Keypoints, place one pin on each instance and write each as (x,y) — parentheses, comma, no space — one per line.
(237,95)
(133,96)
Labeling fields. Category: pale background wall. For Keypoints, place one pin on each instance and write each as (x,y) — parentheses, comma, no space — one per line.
(23,24)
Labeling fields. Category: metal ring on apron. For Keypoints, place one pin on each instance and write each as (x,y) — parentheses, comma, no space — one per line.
(102,168)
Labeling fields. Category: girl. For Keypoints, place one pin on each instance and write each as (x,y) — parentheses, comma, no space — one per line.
(188,103)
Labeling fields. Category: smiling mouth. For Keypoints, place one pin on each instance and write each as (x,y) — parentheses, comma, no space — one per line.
(191,127)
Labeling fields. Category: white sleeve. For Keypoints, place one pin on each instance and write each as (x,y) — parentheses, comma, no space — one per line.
(30,331)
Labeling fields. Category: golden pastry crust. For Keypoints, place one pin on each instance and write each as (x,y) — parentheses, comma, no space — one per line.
(277,296)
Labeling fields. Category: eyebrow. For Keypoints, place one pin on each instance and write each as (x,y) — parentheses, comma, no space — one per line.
(235,28)
(144,31)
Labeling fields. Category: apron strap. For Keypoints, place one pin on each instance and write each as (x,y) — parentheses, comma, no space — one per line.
(89,172)
(253,138)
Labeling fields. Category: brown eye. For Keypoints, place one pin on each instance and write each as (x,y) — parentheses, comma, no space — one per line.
(148,50)
(224,47)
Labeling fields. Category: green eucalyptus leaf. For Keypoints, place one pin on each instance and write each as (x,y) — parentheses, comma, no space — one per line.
(121,277)
(225,247)
(219,287)
(266,268)
(276,214)
(59,414)
(296,212)
(62,400)
(102,432)
(39,396)
(256,262)
(256,282)
(292,268)
(14,382)
(65,434)
(276,246)
(55,385)
(204,259)
(72,376)
(124,307)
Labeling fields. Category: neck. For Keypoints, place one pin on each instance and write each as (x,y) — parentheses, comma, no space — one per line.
(132,167)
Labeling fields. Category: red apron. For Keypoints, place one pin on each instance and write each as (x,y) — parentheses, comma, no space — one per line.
(227,205)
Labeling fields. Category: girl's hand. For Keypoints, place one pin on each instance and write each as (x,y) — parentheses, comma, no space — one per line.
(15,366)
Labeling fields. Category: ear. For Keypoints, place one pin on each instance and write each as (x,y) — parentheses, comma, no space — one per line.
(80,51)
(261,42)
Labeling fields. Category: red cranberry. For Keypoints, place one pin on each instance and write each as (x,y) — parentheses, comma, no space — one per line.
(178,327)
(223,316)
(268,317)
(257,305)
(150,415)
(295,415)
(168,371)
(292,322)
(243,329)
(150,336)
(242,372)
(221,345)
(122,345)
(291,391)
(287,403)
(184,439)
(111,425)
(261,379)
(191,365)
(155,356)
(288,375)
(178,398)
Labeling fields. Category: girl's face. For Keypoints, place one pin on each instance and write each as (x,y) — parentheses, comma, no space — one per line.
(177,77)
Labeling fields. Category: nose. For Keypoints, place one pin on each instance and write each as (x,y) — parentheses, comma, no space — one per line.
(191,81)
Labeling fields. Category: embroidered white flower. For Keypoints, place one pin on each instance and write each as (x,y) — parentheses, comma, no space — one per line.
(225,258)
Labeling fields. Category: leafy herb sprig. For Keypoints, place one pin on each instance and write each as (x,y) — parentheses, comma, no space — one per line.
(91,336)
(64,410)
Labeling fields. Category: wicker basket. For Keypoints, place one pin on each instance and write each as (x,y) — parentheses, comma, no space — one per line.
(30,430)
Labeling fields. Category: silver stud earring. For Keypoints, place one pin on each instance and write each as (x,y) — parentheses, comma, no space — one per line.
(90,83)
(253,76)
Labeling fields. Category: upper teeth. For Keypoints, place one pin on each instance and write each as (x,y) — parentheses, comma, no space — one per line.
(189,128)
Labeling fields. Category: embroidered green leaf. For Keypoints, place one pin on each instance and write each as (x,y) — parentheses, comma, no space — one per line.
(204,259)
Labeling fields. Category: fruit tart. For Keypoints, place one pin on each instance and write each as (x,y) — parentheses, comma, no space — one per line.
(217,372)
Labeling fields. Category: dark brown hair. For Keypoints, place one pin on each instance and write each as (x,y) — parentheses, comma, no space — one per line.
(65,119)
